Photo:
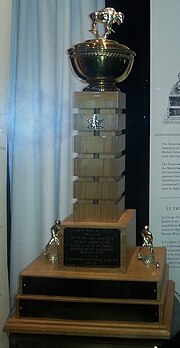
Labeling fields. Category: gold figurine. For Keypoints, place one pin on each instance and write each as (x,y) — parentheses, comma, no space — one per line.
(108,16)
(54,241)
(101,62)
(147,243)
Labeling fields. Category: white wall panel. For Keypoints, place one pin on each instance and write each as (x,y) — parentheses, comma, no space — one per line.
(165,131)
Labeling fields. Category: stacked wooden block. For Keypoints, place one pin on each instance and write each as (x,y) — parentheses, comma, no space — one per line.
(100,162)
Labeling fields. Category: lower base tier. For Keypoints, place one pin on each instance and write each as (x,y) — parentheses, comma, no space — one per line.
(49,341)
(95,328)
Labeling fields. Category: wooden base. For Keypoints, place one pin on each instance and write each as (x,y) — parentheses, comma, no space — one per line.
(60,301)
(36,277)
(96,328)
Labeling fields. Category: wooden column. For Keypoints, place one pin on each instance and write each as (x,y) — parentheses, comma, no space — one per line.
(100,163)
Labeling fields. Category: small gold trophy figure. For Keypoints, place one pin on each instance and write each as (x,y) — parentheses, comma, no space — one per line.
(108,16)
(52,254)
(147,243)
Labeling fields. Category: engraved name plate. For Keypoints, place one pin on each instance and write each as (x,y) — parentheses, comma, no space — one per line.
(92,247)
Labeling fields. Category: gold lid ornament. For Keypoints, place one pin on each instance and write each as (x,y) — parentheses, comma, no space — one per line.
(108,16)
(101,62)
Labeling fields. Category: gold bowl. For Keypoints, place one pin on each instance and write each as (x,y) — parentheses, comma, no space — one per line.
(101,63)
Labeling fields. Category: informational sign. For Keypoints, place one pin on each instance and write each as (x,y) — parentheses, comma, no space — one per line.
(165,131)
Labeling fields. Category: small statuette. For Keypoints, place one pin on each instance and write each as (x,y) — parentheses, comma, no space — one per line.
(108,16)
(147,243)
(94,123)
(177,85)
(51,252)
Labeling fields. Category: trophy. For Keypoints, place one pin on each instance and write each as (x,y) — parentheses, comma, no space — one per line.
(102,62)
(95,285)
(104,229)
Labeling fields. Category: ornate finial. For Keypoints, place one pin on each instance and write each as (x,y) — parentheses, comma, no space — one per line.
(108,16)
(147,243)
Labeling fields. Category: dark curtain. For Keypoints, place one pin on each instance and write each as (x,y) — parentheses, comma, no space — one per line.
(135,33)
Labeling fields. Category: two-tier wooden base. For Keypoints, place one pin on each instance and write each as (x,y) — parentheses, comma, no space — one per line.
(137,304)
(131,300)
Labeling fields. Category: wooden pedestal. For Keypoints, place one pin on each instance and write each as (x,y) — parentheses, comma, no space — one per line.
(58,301)
(92,245)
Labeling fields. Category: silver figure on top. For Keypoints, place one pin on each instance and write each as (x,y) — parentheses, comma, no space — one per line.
(108,16)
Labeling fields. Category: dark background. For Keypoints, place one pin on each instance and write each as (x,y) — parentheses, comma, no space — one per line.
(135,33)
